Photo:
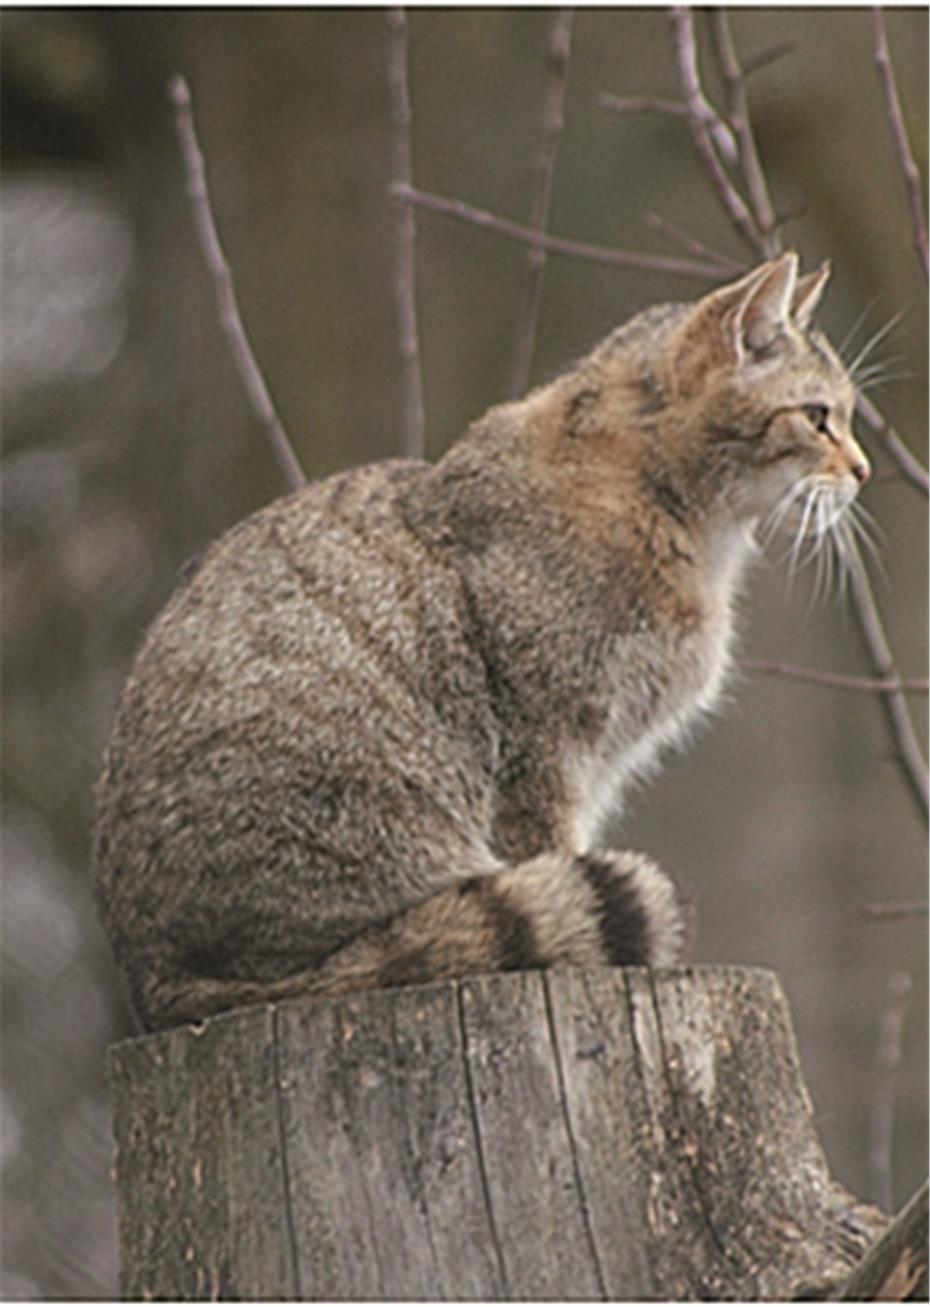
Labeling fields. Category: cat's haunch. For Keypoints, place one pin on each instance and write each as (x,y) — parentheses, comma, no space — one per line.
(375,735)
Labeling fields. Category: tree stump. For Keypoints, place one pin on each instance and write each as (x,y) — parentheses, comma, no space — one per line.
(572,1135)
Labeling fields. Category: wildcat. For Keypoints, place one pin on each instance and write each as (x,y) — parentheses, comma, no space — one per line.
(374,736)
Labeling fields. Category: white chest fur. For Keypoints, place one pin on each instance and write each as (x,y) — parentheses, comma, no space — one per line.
(662,684)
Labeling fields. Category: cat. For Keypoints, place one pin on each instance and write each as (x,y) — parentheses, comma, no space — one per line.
(375,735)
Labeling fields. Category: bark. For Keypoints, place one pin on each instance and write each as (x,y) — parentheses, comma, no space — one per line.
(603,1134)
(895,1269)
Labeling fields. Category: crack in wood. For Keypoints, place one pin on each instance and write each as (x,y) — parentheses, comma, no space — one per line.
(346,1032)
(572,1146)
(279,1088)
(417,1190)
(479,1145)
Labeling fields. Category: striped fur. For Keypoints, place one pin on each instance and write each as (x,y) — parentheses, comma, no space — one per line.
(376,734)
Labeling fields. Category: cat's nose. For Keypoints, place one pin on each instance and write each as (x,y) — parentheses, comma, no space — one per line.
(855,459)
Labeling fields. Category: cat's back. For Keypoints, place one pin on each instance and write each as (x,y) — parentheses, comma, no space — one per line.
(315,660)
(325,583)
(300,587)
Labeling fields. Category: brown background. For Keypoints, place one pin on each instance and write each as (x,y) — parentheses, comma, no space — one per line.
(129,444)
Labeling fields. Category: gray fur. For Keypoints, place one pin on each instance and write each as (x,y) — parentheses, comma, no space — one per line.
(374,735)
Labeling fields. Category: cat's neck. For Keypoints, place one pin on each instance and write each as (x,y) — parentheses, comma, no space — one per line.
(729,548)
(543,533)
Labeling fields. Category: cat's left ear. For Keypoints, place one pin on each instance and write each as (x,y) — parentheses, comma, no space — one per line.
(807,295)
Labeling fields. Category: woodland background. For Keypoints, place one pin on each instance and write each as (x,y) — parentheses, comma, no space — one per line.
(129,443)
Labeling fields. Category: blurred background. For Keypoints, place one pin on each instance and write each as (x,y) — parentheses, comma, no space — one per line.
(129,444)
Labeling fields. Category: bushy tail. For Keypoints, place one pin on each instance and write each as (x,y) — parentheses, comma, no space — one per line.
(614,909)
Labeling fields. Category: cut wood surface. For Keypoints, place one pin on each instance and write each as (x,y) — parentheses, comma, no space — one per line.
(576,1135)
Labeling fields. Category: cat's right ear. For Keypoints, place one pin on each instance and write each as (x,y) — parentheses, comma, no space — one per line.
(807,295)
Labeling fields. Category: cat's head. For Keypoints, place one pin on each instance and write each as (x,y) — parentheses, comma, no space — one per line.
(732,410)
(767,399)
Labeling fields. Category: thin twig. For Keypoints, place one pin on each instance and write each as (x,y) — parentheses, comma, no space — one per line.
(690,243)
(900,726)
(696,102)
(555,244)
(872,685)
(560,44)
(910,466)
(405,275)
(789,213)
(887,1064)
(700,115)
(642,104)
(768,56)
(895,911)
(218,267)
(901,143)
(756,184)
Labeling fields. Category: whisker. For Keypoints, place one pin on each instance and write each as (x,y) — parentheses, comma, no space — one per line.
(779,512)
(866,525)
(828,532)
(850,335)
(823,560)
(797,559)
(883,379)
(847,551)
(873,369)
(872,343)
(825,542)
(863,529)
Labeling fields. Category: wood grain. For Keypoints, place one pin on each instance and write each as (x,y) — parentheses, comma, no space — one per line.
(576,1136)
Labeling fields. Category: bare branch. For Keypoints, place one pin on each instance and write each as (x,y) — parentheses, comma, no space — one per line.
(555,244)
(689,243)
(789,213)
(900,726)
(756,183)
(697,104)
(895,1267)
(891,685)
(768,56)
(901,143)
(405,275)
(642,104)
(887,1063)
(230,317)
(908,463)
(701,117)
(871,685)
(560,43)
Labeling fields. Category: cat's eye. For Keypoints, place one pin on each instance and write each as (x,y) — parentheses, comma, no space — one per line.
(818,416)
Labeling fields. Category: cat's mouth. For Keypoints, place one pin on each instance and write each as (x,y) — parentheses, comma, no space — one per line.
(823,523)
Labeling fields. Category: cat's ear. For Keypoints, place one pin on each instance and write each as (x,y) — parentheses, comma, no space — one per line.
(764,310)
(731,324)
(807,295)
